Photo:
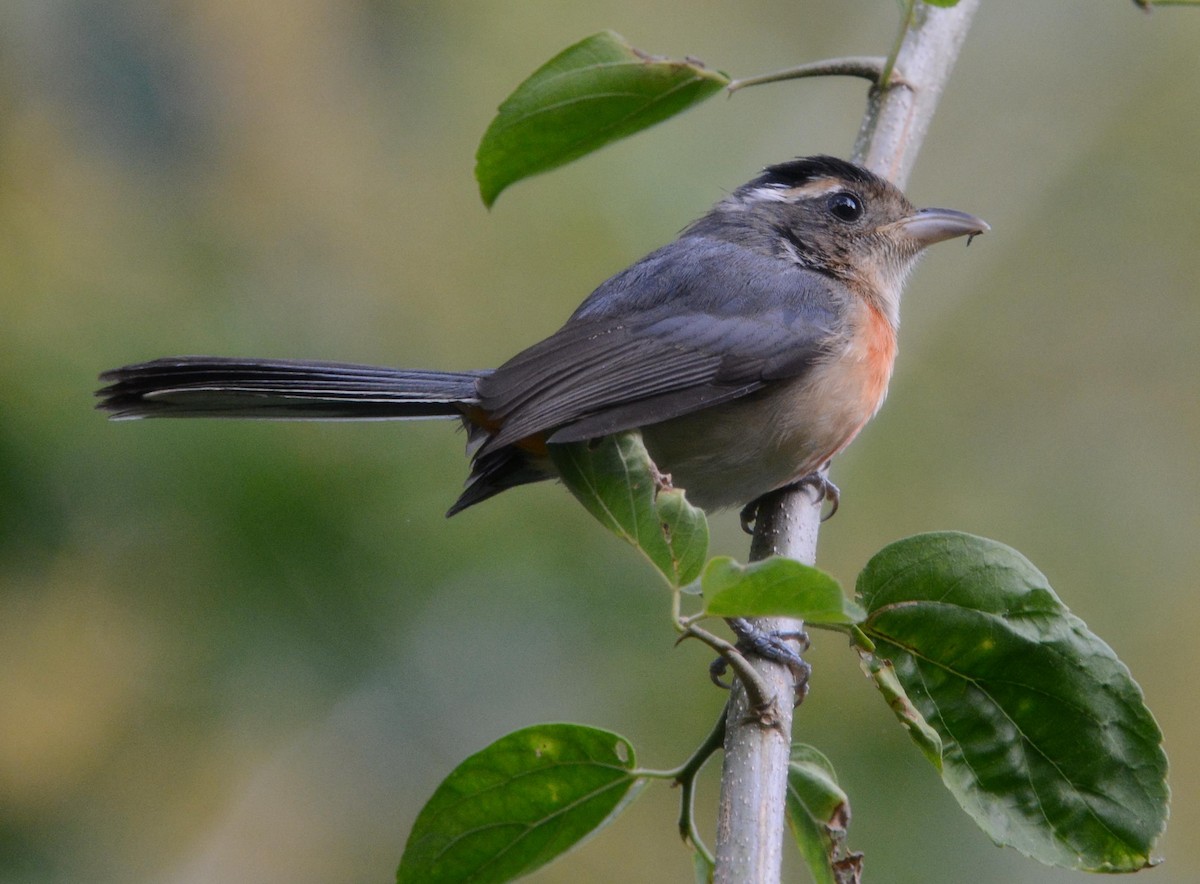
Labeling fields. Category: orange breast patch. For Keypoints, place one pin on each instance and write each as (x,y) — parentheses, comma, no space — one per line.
(879,343)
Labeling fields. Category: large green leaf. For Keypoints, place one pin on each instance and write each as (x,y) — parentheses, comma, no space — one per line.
(1046,740)
(589,95)
(518,804)
(617,481)
(775,587)
(818,813)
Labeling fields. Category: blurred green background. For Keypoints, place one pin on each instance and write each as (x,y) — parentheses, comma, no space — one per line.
(248,652)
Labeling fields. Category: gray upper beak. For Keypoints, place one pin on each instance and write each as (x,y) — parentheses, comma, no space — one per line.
(927,226)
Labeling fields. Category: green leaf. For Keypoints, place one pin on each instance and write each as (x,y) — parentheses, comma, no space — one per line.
(1047,743)
(589,95)
(775,587)
(818,814)
(702,869)
(617,481)
(518,804)
(945,4)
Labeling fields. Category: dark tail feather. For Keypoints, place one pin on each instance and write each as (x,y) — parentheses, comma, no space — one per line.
(209,386)
(498,471)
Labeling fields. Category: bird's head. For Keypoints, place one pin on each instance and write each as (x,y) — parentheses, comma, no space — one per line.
(839,219)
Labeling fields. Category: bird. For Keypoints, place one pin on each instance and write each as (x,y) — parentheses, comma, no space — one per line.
(748,352)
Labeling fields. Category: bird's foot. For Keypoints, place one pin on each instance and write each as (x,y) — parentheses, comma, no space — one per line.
(818,481)
(771,646)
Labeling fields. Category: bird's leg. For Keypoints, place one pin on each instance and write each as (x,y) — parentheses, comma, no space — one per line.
(818,481)
(769,646)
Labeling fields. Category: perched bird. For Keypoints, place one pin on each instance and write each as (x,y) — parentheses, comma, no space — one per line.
(748,352)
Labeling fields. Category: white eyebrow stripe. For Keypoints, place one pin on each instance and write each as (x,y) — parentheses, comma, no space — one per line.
(777,193)
(770,193)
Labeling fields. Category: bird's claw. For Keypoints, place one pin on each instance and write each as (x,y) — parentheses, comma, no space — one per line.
(769,646)
(818,481)
(826,491)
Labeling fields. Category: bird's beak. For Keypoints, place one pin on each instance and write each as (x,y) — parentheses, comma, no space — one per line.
(927,226)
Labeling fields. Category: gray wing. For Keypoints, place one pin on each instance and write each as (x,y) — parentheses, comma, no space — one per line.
(695,324)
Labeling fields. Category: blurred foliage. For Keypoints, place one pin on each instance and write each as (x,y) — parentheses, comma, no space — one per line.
(249,652)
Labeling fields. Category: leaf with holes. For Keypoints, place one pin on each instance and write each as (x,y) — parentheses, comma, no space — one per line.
(615,479)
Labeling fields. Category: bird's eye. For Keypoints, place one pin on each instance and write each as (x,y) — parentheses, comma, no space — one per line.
(845,206)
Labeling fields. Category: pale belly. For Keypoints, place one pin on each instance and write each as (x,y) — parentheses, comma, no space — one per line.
(731,454)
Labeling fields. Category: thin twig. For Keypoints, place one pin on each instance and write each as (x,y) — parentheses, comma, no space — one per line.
(906,20)
(686,778)
(761,694)
(869,67)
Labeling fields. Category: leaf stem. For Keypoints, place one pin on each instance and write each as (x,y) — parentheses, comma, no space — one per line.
(684,776)
(869,67)
(687,783)
(906,21)
(860,641)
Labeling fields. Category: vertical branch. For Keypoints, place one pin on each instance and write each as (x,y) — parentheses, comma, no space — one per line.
(896,119)
(750,814)
(750,820)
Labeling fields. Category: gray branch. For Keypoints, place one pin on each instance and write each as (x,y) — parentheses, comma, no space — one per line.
(750,821)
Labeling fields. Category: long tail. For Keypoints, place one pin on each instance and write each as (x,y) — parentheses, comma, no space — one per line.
(210,386)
